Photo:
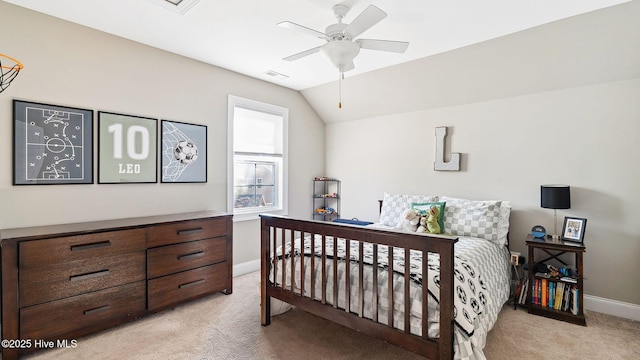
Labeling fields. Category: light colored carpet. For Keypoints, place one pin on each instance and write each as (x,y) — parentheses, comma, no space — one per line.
(228,327)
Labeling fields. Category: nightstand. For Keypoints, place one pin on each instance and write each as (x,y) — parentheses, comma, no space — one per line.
(557,297)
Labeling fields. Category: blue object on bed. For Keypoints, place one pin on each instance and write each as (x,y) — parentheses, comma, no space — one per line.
(352,222)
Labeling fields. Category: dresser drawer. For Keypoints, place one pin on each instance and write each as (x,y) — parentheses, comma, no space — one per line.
(77,312)
(57,281)
(166,291)
(171,259)
(44,252)
(186,231)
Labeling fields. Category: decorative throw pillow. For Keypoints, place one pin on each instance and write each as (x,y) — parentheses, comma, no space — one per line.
(423,208)
(393,205)
(503,221)
(472,218)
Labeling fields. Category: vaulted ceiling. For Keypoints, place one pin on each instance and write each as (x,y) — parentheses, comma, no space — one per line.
(243,35)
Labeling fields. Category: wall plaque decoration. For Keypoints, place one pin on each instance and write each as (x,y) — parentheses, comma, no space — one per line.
(454,163)
(184,152)
(127,149)
(51,144)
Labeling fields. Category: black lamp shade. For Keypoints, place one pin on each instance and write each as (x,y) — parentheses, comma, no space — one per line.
(555,197)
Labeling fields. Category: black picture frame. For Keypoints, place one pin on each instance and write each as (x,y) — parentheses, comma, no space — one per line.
(184,152)
(52,144)
(573,229)
(127,149)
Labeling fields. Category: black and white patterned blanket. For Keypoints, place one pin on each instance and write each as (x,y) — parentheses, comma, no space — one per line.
(470,291)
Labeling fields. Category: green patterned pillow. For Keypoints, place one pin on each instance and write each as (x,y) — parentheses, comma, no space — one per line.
(423,210)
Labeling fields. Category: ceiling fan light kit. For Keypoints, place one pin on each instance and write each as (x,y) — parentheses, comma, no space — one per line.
(342,47)
(340,54)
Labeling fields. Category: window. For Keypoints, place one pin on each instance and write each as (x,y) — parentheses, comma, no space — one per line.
(257,158)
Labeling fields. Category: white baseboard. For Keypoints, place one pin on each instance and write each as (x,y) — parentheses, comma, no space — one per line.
(246,267)
(612,307)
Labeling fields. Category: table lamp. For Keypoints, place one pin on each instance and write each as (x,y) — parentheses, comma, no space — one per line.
(555,197)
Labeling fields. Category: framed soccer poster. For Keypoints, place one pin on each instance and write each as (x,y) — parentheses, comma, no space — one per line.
(127,149)
(184,152)
(51,144)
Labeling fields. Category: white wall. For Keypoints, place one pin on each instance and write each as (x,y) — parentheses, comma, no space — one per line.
(523,135)
(71,65)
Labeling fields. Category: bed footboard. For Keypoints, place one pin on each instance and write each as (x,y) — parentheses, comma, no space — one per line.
(277,237)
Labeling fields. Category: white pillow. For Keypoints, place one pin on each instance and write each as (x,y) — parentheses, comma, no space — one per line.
(475,218)
(393,205)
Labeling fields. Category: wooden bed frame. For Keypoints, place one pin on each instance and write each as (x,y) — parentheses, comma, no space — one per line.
(275,228)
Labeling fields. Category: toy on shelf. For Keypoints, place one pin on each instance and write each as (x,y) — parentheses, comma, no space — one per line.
(326,211)
(324,178)
(333,195)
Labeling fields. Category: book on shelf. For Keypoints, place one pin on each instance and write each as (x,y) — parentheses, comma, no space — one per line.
(567,297)
(559,295)
(575,306)
(516,294)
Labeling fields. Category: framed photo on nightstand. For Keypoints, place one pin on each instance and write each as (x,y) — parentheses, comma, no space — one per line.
(573,229)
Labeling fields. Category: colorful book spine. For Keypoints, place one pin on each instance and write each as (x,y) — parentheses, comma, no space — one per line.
(559,295)
(545,296)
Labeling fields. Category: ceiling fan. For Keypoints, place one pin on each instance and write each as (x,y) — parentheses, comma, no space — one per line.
(342,46)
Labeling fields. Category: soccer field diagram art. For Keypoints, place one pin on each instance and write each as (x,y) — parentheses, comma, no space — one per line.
(184,152)
(52,144)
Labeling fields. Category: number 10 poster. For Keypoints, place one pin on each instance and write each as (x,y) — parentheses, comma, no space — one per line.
(127,149)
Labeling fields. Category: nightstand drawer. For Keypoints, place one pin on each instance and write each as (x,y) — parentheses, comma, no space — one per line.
(57,281)
(186,231)
(185,256)
(66,315)
(173,289)
(41,253)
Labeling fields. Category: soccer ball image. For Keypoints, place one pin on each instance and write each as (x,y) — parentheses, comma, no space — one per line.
(186,152)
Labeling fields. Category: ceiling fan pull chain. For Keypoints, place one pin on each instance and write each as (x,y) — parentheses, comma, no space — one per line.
(340,89)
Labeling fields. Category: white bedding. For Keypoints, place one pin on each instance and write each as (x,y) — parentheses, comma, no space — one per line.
(488,260)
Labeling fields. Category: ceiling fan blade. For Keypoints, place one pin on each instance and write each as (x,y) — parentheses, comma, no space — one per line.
(302,54)
(302,29)
(369,17)
(383,45)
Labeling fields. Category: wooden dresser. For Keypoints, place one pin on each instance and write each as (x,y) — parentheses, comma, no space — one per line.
(64,281)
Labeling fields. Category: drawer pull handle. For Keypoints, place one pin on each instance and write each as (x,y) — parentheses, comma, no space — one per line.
(89,275)
(95,245)
(191,256)
(95,310)
(193,283)
(190,231)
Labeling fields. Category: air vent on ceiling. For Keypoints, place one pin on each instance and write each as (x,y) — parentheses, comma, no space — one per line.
(276,74)
(179,6)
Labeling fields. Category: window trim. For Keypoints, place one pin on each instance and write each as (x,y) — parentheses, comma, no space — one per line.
(232,103)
